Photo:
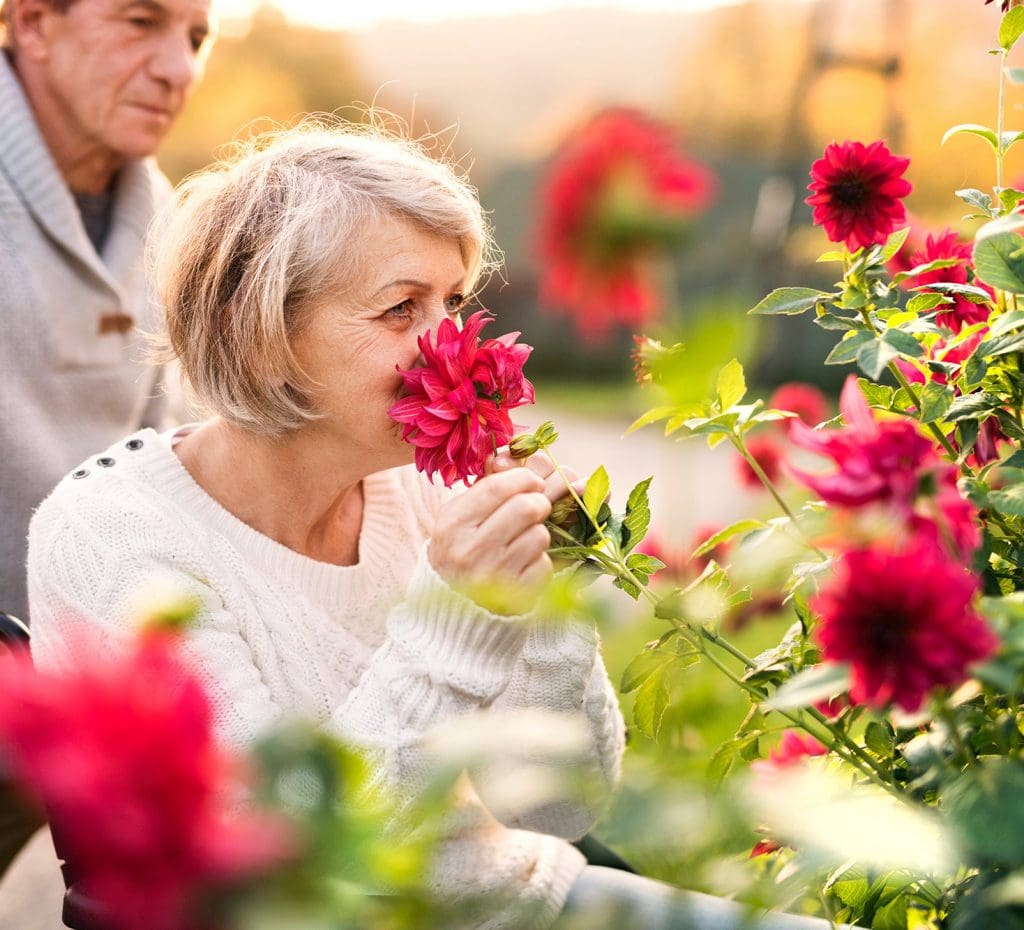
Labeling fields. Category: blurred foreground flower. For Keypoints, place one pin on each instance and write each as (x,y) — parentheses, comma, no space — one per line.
(121,752)
(618,192)
(456,411)
(857,193)
(805,400)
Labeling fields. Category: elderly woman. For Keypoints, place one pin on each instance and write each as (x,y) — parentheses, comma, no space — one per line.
(335,582)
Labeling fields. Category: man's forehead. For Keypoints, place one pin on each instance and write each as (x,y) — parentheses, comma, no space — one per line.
(193,10)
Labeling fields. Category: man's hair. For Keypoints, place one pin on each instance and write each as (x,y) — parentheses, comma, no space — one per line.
(6,23)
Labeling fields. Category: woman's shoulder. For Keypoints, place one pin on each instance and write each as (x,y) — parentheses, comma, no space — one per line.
(419,494)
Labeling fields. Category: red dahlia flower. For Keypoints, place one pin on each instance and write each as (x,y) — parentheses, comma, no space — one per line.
(805,400)
(793,748)
(618,191)
(947,245)
(456,411)
(903,620)
(121,752)
(857,193)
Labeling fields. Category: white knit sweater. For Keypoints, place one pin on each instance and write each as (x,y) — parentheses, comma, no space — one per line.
(379,651)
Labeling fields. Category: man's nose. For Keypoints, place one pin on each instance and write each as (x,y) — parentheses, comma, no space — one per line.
(176,62)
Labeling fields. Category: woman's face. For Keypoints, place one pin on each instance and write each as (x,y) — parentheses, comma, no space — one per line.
(351,347)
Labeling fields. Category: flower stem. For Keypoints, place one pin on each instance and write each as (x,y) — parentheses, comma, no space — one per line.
(999,120)
(755,466)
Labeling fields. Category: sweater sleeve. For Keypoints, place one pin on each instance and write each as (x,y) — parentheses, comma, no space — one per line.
(561,670)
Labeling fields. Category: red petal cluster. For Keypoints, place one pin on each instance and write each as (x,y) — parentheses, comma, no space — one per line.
(888,463)
(793,747)
(456,409)
(805,400)
(121,753)
(618,190)
(947,245)
(768,454)
(903,620)
(857,192)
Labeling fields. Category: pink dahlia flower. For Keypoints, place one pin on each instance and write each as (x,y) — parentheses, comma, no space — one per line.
(121,752)
(456,409)
(857,193)
(903,620)
(947,245)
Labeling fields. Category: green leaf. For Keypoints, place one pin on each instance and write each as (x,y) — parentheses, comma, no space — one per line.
(653,415)
(638,514)
(1008,196)
(731,385)
(975,198)
(922,303)
(847,349)
(1011,28)
(1016,75)
(877,395)
(1015,460)
(891,915)
(893,244)
(1001,345)
(974,129)
(974,370)
(651,701)
(974,294)
(878,739)
(972,406)
(1009,500)
(998,260)
(903,343)
(789,301)
(834,255)
(721,763)
(874,356)
(644,564)
(642,667)
(1007,322)
(723,535)
(833,322)
(936,399)
(596,490)
(813,684)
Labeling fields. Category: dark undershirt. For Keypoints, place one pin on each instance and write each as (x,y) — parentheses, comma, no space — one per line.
(95,210)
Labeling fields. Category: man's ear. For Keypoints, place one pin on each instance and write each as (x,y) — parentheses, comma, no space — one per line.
(30,22)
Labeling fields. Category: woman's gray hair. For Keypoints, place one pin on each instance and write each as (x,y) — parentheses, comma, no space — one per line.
(248,248)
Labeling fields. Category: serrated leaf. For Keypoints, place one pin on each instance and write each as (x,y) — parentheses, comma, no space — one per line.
(643,563)
(1008,500)
(874,356)
(831,321)
(922,303)
(638,514)
(975,198)
(1008,196)
(1006,323)
(972,406)
(651,701)
(846,350)
(974,371)
(813,684)
(971,292)
(789,301)
(1001,345)
(723,535)
(893,244)
(721,763)
(974,129)
(631,589)
(731,385)
(653,415)
(877,395)
(903,342)
(998,261)
(1011,28)
(596,490)
(936,399)
(641,668)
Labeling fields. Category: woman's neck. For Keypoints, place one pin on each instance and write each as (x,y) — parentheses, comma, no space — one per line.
(290,489)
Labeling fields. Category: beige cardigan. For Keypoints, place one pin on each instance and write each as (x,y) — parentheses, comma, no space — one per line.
(66,389)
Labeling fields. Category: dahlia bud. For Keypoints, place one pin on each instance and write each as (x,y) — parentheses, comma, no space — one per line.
(525,445)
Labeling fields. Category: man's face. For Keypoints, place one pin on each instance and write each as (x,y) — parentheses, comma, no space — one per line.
(119,71)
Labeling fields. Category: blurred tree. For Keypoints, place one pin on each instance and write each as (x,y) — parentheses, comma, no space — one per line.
(273,73)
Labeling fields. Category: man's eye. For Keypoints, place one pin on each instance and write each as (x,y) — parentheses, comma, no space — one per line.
(454,304)
(142,22)
(197,39)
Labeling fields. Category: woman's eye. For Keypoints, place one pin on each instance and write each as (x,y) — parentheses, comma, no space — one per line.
(142,22)
(454,304)
(402,311)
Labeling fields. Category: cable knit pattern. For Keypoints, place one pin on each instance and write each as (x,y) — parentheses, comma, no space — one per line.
(378,652)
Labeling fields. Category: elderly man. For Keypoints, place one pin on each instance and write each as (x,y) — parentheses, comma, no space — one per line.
(88,88)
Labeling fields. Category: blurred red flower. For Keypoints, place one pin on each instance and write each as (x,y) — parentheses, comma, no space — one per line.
(456,409)
(903,620)
(857,192)
(121,752)
(618,191)
(768,454)
(805,400)
(793,747)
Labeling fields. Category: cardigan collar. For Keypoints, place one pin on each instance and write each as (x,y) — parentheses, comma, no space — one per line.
(31,170)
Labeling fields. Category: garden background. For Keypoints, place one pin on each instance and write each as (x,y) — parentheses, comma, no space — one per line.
(756,90)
